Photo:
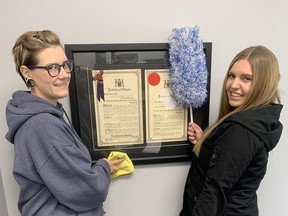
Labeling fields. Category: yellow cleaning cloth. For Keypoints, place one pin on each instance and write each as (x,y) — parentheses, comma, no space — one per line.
(126,167)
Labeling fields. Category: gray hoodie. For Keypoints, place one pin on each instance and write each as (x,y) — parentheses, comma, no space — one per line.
(51,164)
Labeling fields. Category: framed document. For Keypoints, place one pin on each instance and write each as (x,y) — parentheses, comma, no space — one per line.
(121,100)
(118,107)
(165,122)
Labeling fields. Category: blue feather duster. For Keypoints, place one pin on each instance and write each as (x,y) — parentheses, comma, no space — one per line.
(188,71)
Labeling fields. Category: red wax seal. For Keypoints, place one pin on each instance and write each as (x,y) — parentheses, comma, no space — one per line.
(154,79)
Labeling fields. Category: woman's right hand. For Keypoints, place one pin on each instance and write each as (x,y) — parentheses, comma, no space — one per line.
(194,132)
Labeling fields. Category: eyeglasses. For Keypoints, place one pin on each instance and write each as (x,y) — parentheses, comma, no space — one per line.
(55,69)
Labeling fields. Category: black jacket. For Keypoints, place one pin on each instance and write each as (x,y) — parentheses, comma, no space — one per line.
(224,179)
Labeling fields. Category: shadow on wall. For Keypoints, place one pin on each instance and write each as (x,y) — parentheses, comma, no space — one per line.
(3,206)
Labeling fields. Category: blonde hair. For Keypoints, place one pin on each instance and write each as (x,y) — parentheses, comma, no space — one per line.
(264,87)
(29,44)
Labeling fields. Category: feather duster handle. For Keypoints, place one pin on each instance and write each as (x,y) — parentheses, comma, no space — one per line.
(188,71)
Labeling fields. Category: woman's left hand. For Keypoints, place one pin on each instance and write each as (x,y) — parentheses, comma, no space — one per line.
(113,164)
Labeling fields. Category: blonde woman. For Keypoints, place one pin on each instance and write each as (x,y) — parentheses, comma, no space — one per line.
(231,155)
(52,165)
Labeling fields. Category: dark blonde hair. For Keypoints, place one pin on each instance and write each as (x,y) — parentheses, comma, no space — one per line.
(264,87)
(29,44)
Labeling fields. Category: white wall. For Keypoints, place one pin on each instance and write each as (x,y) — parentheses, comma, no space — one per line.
(3,204)
(154,190)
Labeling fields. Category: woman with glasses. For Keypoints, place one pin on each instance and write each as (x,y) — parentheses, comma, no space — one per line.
(230,157)
(52,165)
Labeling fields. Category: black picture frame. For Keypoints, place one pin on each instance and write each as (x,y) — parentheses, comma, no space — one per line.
(124,56)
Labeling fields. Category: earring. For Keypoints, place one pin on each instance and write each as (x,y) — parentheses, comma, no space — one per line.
(30,83)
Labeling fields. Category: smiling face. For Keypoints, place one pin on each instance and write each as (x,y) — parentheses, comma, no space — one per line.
(49,88)
(238,84)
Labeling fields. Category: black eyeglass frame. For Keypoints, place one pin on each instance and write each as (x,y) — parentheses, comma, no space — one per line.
(59,67)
